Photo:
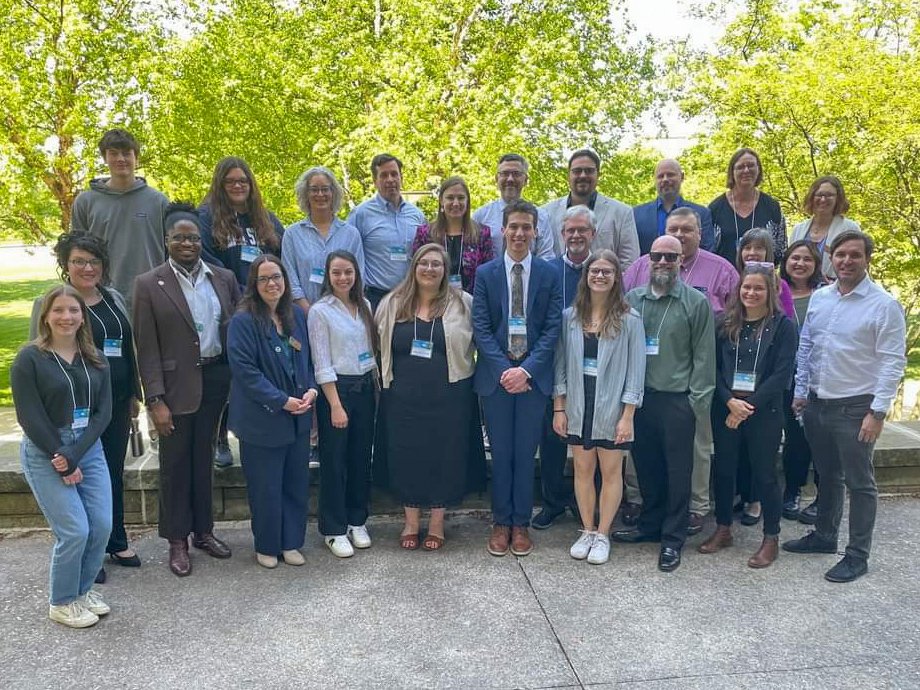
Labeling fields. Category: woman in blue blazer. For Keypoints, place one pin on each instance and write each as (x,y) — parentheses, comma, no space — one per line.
(271,410)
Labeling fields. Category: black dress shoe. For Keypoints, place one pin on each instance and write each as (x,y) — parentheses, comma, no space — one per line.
(222,456)
(127,561)
(809,514)
(810,543)
(668,559)
(211,545)
(848,569)
(546,518)
(100,577)
(630,514)
(749,520)
(634,536)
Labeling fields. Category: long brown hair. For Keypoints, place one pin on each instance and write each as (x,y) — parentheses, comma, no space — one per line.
(224,225)
(84,334)
(438,227)
(616,305)
(355,295)
(253,303)
(405,295)
(735,311)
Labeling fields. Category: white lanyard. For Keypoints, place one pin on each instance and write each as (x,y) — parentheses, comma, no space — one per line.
(73,392)
(663,316)
(105,333)
(690,272)
(756,353)
(735,214)
(460,258)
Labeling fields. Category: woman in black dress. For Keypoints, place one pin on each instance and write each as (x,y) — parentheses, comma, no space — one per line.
(426,346)
(744,207)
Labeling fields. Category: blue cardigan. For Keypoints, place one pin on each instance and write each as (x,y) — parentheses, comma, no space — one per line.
(263,380)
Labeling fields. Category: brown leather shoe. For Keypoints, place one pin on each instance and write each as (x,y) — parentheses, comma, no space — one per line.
(498,542)
(766,554)
(720,539)
(178,557)
(211,545)
(521,544)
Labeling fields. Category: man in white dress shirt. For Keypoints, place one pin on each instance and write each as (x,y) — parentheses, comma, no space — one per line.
(850,361)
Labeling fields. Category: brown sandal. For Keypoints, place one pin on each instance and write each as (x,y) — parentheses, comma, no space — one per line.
(409,541)
(432,542)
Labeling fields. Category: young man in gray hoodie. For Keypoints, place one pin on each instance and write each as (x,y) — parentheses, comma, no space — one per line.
(124,211)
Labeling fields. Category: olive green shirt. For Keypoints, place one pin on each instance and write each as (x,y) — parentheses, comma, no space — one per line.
(686,360)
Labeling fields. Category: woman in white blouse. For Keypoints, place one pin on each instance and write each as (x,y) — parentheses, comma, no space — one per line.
(343,341)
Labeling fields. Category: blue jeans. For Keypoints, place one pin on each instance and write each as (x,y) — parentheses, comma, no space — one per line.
(80,516)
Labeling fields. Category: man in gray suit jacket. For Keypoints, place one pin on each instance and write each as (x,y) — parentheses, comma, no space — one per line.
(616,226)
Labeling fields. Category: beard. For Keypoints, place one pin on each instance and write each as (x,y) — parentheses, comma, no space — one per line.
(664,279)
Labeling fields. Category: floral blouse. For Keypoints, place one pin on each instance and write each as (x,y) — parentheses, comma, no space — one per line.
(472,257)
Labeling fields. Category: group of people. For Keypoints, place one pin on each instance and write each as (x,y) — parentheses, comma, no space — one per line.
(658,342)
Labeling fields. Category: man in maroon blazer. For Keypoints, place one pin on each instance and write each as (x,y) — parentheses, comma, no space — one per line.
(181,312)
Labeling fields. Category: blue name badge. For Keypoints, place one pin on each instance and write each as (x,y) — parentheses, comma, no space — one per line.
(517,325)
(317,275)
(249,253)
(80,418)
(366,362)
(651,345)
(455,281)
(398,253)
(743,381)
(111,347)
(590,366)
(421,348)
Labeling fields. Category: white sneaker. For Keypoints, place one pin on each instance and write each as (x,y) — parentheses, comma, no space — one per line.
(359,536)
(293,557)
(600,550)
(340,546)
(266,561)
(92,601)
(580,548)
(73,615)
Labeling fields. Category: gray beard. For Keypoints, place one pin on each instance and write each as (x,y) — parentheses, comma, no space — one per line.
(663,281)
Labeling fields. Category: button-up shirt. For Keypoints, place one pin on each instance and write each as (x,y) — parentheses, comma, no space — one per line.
(383,229)
(686,361)
(492,215)
(337,339)
(525,279)
(304,251)
(203,303)
(852,344)
(707,272)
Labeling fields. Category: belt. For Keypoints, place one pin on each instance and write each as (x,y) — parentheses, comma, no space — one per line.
(852,400)
(205,361)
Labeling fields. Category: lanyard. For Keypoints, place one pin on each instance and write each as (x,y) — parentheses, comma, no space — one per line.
(73,392)
(735,214)
(756,353)
(105,333)
(447,249)
(663,316)
(695,262)
(415,329)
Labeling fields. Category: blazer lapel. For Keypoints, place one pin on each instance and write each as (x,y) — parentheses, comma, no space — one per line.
(274,343)
(170,285)
(533,285)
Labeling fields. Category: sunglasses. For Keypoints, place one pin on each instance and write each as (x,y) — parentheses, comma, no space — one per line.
(669,257)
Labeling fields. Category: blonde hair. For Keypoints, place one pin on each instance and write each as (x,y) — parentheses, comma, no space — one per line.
(405,295)
(84,335)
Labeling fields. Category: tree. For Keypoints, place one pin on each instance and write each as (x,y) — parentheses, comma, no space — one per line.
(67,69)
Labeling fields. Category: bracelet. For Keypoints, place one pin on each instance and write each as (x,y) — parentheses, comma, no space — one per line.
(558,410)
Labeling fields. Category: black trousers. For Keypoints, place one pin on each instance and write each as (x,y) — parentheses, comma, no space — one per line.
(796,450)
(345,456)
(556,488)
(760,434)
(187,457)
(663,454)
(115,445)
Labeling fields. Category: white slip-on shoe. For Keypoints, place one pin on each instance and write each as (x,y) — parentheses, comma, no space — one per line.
(359,536)
(73,615)
(582,546)
(293,557)
(267,561)
(340,546)
(600,550)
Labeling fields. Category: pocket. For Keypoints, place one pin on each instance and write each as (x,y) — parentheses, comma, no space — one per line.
(855,411)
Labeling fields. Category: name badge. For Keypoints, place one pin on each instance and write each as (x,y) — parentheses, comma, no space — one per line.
(111,347)
(317,275)
(80,418)
(249,253)
(366,362)
(399,253)
(651,345)
(744,382)
(455,281)
(590,366)
(517,325)
(421,348)
(294,343)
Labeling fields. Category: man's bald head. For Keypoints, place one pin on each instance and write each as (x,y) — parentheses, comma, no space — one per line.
(666,243)
(668,178)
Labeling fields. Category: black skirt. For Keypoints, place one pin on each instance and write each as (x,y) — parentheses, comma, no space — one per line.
(590,385)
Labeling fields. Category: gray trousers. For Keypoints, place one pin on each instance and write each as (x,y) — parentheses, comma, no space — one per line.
(832,428)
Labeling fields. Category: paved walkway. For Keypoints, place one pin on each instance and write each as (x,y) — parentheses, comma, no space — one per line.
(463,619)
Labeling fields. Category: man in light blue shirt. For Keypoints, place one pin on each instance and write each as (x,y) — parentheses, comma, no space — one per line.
(387,225)
(511,179)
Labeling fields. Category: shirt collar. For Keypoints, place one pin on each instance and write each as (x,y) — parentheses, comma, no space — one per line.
(592,200)
(384,204)
(193,274)
(509,262)
(572,264)
(862,289)
(659,204)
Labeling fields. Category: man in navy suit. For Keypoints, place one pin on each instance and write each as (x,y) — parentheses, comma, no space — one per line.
(517,312)
(651,217)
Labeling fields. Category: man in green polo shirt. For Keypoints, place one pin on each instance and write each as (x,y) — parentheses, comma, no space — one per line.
(680,374)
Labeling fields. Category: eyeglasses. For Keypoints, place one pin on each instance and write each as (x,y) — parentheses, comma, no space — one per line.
(180,238)
(826,195)
(319,190)
(765,265)
(578,231)
(236,182)
(83,263)
(741,167)
(276,278)
(431,265)
(603,272)
(667,257)
(583,171)
(510,175)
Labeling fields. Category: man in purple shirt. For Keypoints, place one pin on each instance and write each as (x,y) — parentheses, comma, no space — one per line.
(717,279)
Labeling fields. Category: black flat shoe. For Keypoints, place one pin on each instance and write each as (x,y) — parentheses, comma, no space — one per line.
(100,577)
(634,536)
(749,520)
(127,561)
(668,559)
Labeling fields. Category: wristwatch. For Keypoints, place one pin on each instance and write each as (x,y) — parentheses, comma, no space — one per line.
(880,416)
(150,402)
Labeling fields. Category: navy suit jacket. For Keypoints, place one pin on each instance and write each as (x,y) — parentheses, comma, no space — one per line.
(647,225)
(490,324)
(263,380)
